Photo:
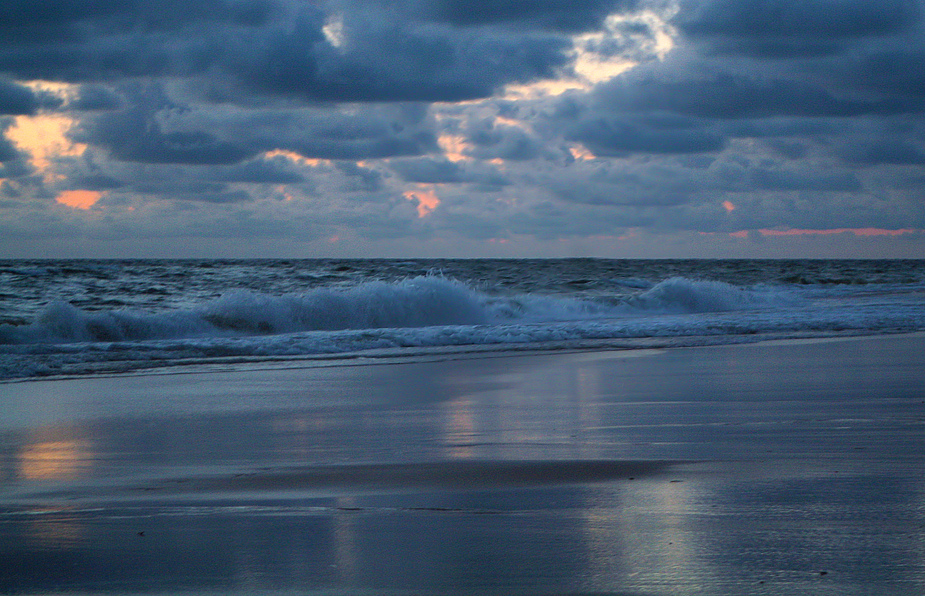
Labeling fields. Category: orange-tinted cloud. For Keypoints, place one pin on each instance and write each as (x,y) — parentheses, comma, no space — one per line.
(296,157)
(511,122)
(454,147)
(427,200)
(287,196)
(729,206)
(79,199)
(581,153)
(44,137)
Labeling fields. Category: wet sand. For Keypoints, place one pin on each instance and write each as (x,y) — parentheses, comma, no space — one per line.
(776,468)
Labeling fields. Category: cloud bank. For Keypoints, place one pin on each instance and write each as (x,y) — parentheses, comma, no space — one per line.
(464,128)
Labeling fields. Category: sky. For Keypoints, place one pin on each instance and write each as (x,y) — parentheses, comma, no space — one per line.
(462,128)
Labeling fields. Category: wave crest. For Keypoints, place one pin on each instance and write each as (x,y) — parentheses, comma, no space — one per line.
(425,301)
(418,302)
(679,295)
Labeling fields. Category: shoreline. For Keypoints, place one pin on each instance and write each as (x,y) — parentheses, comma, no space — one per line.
(425,354)
(789,467)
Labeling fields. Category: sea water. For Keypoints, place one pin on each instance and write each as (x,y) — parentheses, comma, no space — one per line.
(78,317)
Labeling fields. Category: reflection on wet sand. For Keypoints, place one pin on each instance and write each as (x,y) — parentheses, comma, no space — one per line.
(345,541)
(49,455)
(637,536)
(527,475)
(555,417)
(460,434)
(53,530)
(54,460)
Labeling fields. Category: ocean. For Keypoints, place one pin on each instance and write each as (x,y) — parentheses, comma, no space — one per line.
(91,317)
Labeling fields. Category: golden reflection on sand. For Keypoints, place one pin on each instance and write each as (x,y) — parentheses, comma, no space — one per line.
(54,460)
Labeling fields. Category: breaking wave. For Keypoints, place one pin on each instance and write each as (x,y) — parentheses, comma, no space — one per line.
(425,301)
(431,314)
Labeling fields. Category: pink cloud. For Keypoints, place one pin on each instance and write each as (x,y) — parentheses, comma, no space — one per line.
(79,199)
(855,231)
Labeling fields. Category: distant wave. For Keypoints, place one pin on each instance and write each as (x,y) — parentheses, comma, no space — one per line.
(424,301)
(678,295)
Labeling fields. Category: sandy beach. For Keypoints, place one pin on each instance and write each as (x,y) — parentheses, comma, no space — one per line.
(772,468)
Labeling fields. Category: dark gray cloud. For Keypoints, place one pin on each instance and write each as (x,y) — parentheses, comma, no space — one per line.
(14,168)
(787,180)
(787,126)
(278,170)
(192,191)
(93,181)
(622,135)
(280,49)
(493,141)
(426,170)
(894,151)
(177,187)
(605,186)
(360,179)
(900,72)
(137,135)
(800,114)
(382,60)
(8,152)
(695,101)
(95,98)
(27,23)
(99,40)
(358,147)
(153,128)
(17,99)
(567,16)
(787,148)
(785,29)
(382,131)
(728,96)
(211,183)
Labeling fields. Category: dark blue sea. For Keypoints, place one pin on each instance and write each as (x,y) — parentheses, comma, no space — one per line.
(82,317)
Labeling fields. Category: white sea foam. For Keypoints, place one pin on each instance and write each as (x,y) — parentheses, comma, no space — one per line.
(431,312)
(420,302)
